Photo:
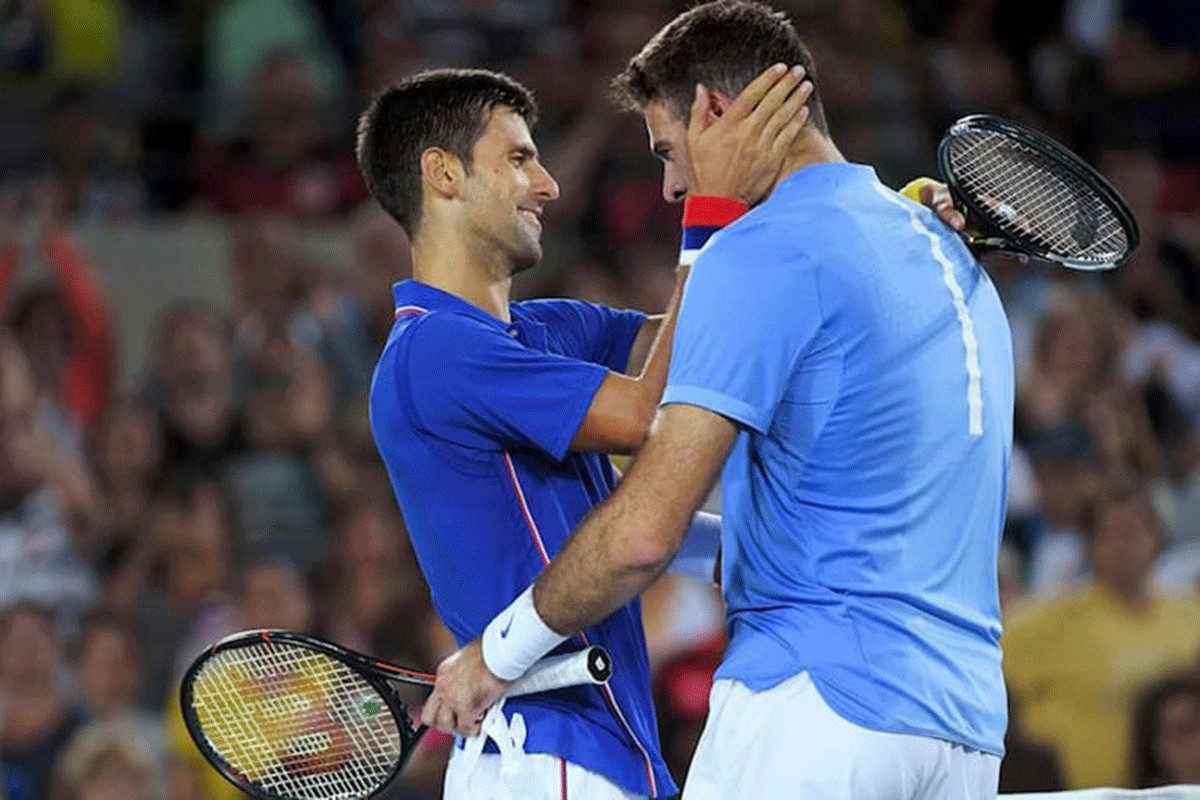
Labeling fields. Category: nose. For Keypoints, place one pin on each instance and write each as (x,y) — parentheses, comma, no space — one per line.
(674,187)
(544,185)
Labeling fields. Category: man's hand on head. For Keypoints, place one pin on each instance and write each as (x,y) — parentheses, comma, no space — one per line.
(739,152)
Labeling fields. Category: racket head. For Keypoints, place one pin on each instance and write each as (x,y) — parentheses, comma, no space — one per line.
(1032,195)
(284,716)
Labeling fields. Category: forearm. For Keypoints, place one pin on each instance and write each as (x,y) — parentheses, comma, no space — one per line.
(604,566)
(653,377)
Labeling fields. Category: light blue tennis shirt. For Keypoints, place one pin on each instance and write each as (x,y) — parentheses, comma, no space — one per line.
(867,359)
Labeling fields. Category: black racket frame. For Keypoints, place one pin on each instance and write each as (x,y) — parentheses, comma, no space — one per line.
(994,236)
(376,673)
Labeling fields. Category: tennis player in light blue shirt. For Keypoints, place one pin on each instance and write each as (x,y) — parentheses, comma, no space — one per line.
(845,364)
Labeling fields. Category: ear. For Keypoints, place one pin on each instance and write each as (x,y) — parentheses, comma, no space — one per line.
(442,172)
(718,102)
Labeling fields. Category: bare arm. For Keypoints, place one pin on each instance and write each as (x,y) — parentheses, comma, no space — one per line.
(629,540)
(622,409)
(639,354)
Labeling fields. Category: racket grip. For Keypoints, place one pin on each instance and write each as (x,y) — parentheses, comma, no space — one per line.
(590,666)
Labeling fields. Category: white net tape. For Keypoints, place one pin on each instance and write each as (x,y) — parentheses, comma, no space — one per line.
(296,722)
(1163,793)
(1032,197)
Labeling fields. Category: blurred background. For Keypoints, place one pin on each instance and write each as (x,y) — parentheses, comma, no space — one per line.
(194,289)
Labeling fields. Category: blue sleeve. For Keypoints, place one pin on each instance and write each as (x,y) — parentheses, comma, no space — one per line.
(589,331)
(473,385)
(750,310)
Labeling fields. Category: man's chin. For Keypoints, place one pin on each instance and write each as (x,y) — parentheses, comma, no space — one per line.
(525,261)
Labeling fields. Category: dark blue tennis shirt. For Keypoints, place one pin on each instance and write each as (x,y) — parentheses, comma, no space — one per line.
(473,418)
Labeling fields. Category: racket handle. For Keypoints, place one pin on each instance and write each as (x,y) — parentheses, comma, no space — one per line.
(590,666)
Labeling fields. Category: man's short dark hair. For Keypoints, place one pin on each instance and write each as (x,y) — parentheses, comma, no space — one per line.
(446,108)
(724,45)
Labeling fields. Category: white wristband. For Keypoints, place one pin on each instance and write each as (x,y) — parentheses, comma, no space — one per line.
(517,638)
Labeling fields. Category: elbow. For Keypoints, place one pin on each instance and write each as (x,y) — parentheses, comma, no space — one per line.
(649,552)
(634,430)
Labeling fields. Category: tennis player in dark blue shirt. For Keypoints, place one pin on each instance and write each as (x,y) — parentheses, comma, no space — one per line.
(493,417)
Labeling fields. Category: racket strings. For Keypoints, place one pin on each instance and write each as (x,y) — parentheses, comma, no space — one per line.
(296,723)
(1031,195)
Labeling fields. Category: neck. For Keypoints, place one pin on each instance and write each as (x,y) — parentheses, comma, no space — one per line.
(812,148)
(456,265)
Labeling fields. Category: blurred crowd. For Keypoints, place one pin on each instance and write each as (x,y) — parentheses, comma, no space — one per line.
(235,484)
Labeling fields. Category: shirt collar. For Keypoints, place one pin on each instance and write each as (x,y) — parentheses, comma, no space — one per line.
(414,294)
(824,175)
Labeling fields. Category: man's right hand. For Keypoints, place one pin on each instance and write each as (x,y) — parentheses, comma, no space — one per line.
(740,153)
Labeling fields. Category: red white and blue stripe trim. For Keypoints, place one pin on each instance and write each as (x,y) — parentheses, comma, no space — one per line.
(702,217)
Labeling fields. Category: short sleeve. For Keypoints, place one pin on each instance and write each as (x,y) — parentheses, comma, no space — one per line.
(750,309)
(472,384)
(590,331)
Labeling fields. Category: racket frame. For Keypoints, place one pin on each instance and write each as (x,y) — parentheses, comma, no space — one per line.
(375,673)
(993,237)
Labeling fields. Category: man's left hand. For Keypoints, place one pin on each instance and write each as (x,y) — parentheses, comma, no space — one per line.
(464,691)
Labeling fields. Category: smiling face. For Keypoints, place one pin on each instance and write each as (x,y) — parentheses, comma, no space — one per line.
(506,191)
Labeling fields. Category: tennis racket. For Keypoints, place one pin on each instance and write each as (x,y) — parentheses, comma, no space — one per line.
(1027,193)
(290,717)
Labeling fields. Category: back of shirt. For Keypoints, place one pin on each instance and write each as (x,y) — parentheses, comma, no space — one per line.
(868,360)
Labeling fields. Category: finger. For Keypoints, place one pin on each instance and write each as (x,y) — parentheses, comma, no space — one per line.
(749,98)
(776,97)
(789,132)
(470,726)
(429,712)
(794,105)
(447,720)
(925,193)
(950,215)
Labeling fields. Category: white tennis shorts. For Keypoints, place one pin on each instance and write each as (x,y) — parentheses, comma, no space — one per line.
(786,742)
(539,777)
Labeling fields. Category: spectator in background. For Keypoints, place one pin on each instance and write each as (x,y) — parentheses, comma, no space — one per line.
(966,70)
(1066,465)
(241,34)
(86,159)
(274,594)
(1160,281)
(66,328)
(1110,639)
(1166,733)
(358,320)
(372,578)
(1029,765)
(271,593)
(192,390)
(128,455)
(1153,63)
(274,488)
(188,608)
(46,501)
(108,679)
(106,761)
(38,717)
(499,33)
(284,160)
